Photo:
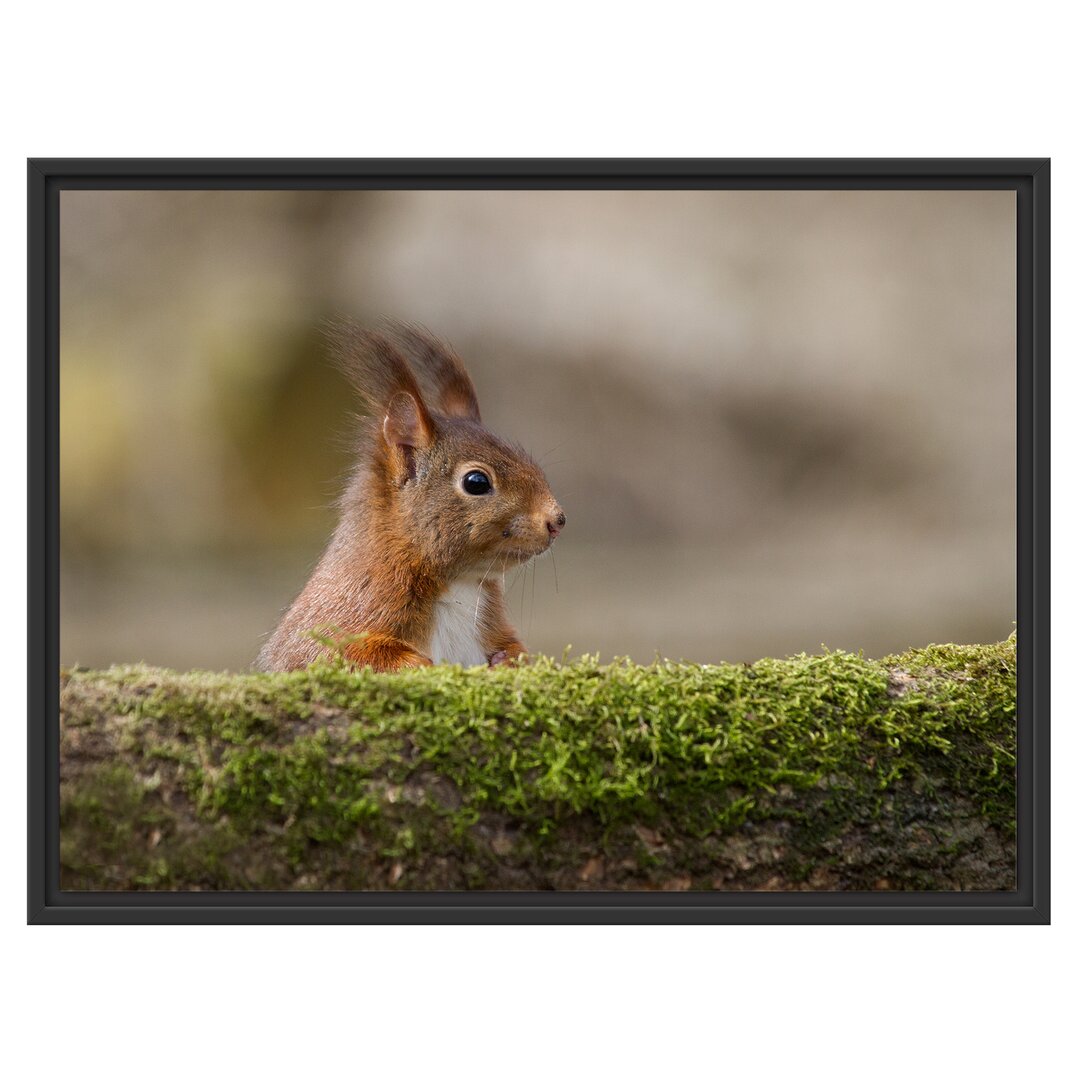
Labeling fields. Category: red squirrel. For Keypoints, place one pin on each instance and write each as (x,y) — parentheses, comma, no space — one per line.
(436,510)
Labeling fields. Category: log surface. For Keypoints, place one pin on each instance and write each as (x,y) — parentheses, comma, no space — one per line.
(828,772)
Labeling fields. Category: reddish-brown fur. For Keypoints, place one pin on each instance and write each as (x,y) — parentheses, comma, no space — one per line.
(407,530)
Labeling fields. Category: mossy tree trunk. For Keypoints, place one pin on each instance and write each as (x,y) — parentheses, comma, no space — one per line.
(825,773)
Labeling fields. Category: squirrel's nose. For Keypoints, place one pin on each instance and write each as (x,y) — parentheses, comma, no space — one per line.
(555,524)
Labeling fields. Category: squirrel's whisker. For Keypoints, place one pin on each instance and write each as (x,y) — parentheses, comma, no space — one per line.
(532,595)
(480,590)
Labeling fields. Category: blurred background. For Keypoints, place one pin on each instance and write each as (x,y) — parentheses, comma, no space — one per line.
(776,420)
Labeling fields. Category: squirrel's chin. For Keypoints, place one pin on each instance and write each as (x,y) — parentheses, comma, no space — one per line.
(516,556)
(499,560)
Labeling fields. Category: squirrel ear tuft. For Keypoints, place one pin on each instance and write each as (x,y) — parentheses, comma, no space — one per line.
(375,366)
(446,383)
(405,425)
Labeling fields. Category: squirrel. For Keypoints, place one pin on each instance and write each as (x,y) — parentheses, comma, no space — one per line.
(435,511)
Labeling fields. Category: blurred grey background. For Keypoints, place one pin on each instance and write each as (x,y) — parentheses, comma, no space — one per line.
(776,420)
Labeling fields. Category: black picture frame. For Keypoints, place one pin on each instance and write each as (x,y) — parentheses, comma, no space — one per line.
(1028,177)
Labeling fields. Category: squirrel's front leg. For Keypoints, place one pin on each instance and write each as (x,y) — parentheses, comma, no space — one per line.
(383,652)
(500,640)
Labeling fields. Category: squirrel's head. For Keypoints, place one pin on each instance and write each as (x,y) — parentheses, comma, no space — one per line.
(467,500)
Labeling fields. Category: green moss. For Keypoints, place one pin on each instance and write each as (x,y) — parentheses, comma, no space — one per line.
(116,833)
(410,766)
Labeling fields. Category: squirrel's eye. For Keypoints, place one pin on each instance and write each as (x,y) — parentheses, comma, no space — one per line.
(476,483)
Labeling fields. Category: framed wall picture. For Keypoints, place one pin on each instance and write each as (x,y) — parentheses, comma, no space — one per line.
(539,540)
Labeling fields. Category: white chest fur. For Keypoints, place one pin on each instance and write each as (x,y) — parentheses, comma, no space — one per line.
(455,638)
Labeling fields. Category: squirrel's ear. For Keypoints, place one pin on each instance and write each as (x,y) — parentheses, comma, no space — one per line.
(377,369)
(446,383)
(406,428)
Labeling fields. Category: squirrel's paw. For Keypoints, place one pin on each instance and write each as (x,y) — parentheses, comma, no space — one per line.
(383,652)
(414,659)
(503,657)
